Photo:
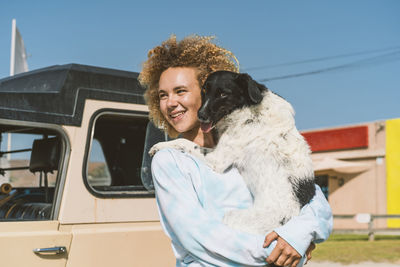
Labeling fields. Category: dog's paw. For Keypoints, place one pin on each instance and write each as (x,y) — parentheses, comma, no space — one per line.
(157,147)
(179,144)
(219,168)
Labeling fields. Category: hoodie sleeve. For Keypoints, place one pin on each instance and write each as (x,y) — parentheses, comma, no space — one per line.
(316,223)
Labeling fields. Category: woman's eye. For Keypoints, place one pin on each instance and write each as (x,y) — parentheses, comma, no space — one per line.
(162,96)
(180,91)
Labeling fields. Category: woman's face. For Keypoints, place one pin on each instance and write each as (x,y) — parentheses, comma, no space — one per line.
(180,99)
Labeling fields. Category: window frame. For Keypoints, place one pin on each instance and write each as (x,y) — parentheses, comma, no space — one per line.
(90,135)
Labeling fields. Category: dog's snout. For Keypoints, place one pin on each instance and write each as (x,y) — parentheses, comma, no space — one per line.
(201,114)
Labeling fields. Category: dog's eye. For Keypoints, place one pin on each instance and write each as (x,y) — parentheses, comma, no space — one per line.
(223,95)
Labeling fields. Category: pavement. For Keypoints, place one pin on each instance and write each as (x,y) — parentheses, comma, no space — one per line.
(363,264)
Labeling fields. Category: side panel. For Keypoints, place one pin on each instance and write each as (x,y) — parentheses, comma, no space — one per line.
(393,169)
(120,244)
(108,231)
(19,239)
(78,204)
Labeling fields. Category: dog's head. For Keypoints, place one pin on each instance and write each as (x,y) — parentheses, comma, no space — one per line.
(224,92)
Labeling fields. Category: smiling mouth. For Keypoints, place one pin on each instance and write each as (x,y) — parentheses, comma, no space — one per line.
(176,115)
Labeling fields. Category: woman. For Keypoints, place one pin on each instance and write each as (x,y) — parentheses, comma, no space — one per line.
(191,197)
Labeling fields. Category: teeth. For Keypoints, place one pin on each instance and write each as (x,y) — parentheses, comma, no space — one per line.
(176,114)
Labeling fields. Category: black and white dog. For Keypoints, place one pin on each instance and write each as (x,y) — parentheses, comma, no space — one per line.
(257,135)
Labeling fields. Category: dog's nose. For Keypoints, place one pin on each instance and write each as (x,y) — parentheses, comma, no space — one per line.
(202,115)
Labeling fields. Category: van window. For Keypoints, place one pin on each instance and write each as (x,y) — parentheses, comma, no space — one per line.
(29,172)
(98,173)
(115,164)
(323,182)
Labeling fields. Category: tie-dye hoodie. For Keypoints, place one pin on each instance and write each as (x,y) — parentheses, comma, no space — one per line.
(192,200)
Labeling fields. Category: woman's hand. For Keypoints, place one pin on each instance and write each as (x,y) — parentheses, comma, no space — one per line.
(284,254)
(309,250)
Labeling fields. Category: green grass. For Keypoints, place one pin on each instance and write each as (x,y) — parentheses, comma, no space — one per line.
(356,248)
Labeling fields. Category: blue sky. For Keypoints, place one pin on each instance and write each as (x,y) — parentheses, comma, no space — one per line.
(118,34)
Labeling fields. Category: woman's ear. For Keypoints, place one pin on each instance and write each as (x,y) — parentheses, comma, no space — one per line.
(253,90)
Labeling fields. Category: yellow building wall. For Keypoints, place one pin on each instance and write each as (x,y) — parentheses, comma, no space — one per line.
(393,170)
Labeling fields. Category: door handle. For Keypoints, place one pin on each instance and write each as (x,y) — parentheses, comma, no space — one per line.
(49,251)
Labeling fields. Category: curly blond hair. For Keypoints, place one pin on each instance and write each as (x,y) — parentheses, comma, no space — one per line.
(193,51)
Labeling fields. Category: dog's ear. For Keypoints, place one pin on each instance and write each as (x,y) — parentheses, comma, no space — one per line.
(254,91)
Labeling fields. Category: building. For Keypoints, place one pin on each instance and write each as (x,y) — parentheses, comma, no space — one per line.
(358,168)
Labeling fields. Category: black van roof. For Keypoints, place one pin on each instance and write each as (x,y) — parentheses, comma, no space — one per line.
(57,94)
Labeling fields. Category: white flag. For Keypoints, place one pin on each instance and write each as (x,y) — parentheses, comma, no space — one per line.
(18,61)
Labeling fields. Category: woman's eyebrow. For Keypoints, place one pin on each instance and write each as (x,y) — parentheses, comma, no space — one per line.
(180,87)
(174,89)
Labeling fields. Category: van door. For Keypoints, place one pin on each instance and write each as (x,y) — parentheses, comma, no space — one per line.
(30,182)
(111,211)
(19,240)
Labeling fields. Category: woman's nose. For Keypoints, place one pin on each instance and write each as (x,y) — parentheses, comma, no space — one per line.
(172,101)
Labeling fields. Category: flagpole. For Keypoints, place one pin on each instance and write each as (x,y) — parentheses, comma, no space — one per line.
(12,71)
(12,57)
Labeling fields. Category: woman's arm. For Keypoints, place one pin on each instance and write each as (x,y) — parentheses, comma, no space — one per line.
(206,238)
(313,224)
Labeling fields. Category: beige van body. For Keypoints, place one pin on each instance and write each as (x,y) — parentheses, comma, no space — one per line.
(81,208)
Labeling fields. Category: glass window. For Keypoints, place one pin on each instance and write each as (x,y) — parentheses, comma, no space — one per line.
(118,164)
(322,181)
(98,173)
(29,167)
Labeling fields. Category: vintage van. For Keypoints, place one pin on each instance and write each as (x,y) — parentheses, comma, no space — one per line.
(76,186)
